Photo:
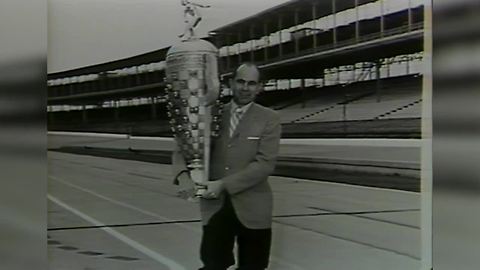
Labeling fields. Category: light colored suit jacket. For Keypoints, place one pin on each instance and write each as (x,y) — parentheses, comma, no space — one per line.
(244,162)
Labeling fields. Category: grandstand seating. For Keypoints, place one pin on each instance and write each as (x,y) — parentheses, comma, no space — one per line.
(410,110)
(398,98)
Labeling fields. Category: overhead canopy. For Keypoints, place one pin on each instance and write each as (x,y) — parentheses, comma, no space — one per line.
(150,57)
(98,97)
(253,27)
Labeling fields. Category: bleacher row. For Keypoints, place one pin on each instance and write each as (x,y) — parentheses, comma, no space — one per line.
(397,98)
(408,106)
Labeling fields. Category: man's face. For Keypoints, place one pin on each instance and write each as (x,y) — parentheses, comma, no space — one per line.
(245,85)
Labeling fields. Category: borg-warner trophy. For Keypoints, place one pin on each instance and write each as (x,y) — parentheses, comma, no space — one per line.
(194,107)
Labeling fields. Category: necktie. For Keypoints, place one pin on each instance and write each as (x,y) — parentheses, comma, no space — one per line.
(234,120)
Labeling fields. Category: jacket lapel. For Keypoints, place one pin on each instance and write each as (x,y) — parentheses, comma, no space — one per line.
(225,125)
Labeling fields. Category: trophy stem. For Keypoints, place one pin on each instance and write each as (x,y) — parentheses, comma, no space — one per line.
(198,175)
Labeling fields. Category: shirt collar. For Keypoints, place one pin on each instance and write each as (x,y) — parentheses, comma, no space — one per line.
(242,109)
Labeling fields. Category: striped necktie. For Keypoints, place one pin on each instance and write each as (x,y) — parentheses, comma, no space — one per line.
(234,120)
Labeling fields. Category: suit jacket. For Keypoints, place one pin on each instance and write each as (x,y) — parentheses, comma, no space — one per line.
(244,162)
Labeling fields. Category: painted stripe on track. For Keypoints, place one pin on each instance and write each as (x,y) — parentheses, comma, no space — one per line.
(355,142)
(88,134)
(103,226)
(171,264)
(126,205)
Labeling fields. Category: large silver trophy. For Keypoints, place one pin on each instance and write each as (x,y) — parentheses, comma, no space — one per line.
(193,91)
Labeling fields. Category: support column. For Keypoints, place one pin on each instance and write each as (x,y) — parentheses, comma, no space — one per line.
(228,52)
(239,49)
(84,115)
(338,75)
(344,108)
(322,82)
(116,111)
(280,45)
(154,108)
(267,43)
(388,64)
(382,19)
(296,28)
(137,76)
(302,88)
(354,69)
(410,17)
(357,23)
(51,116)
(334,29)
(252,42)
(103,82)
(408,64)
(314,18)
(378,65)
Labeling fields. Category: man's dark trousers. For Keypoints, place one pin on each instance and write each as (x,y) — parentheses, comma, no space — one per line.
(218,239)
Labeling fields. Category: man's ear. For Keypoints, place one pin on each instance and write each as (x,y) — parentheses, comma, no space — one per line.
(260,88)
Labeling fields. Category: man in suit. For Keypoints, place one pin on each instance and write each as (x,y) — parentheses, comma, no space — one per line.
(237,205)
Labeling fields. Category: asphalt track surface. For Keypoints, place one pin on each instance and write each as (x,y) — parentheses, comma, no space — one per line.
(120,214)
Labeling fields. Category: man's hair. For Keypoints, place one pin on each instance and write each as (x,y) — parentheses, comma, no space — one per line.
(247,64)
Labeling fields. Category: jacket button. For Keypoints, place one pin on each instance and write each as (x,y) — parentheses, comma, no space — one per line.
(229,146)
(227,168)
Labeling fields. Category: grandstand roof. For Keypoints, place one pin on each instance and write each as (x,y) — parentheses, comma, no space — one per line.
(150,57)
(270,18)
(156,89)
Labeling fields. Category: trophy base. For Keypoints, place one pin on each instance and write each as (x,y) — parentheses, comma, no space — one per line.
(200,191)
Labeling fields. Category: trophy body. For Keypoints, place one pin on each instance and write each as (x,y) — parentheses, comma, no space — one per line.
(194,109)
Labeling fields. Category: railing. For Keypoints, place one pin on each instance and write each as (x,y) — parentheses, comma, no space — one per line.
(362,39)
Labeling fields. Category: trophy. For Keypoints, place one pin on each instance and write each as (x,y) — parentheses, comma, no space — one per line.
(194,107)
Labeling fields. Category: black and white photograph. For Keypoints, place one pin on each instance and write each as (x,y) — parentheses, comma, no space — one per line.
(249,135)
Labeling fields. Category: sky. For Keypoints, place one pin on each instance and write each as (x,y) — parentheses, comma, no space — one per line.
(22,31)
(88,32)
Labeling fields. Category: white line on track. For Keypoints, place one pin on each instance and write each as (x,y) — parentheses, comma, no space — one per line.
(171,264)
(88,134)
(273,258)
(126,205)
(355,142)
(161,139)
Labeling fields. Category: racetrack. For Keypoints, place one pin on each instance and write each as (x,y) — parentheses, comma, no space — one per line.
(121,214)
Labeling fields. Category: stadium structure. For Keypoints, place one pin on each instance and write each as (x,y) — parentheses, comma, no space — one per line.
(328,69)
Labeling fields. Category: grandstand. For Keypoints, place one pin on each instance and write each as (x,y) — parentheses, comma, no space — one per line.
(326,65)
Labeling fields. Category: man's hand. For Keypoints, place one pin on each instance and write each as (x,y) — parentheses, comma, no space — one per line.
(186,193)
(214,189)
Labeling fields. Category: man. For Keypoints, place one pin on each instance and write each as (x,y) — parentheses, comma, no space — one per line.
(237,205)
